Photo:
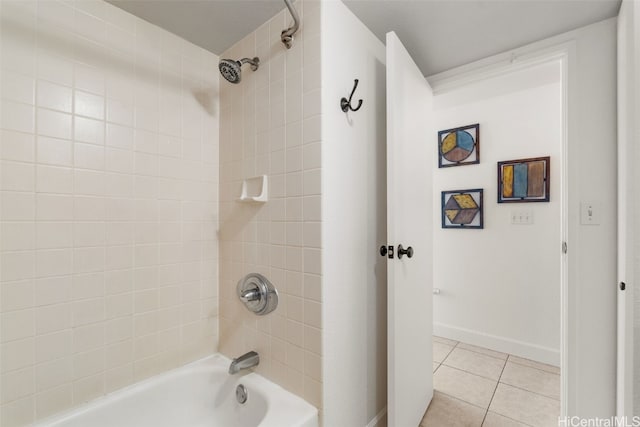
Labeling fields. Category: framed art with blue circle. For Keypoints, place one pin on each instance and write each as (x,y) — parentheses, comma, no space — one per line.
(459,146)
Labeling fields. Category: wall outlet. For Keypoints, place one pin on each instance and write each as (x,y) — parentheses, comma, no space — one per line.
(522,217)
(590,213)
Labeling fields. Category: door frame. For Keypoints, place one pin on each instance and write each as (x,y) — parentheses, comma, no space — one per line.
(628,103)
(505,63)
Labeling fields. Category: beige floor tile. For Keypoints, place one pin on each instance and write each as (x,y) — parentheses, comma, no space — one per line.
(475,363)
(483,350)
(446,341)
(529,408)
(440,351)
(435,366)
(532,379)
(451,412)
(464,386)
(533,364)
(496,420)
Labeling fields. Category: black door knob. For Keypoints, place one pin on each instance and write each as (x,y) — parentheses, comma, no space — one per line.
(402,251)
(383,250)
(623,286)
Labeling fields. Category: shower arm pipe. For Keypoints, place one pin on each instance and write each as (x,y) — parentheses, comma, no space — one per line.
(287,35)
(254,62)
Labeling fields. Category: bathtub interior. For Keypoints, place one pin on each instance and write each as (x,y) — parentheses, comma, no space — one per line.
(197,395)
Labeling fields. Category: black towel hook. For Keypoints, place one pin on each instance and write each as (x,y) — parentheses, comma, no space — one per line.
(345,104)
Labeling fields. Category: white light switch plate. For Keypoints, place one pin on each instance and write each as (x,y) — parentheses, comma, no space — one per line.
(522,217)
(590,213)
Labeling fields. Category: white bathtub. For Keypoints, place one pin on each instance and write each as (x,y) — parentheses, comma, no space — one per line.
(197,395)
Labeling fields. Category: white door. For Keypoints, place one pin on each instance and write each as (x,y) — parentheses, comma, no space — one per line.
(628,46)
(410,153)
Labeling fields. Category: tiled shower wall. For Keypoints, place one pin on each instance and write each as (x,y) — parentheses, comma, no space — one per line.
(270,125)
(109,186)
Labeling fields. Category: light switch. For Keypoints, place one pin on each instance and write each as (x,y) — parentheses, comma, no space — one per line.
(522,217)
(590,213)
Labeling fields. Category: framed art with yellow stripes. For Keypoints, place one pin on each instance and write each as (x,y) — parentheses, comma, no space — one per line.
(524,180)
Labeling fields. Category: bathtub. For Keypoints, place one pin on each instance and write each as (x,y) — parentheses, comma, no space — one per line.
(196,395)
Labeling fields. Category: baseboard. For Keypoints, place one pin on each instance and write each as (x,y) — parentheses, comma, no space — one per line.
(380,419)
(502,344)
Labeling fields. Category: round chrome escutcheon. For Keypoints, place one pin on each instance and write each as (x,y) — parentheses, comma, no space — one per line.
(241,394)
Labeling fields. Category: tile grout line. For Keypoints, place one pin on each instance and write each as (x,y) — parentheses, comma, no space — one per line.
(529,391)
(494,390)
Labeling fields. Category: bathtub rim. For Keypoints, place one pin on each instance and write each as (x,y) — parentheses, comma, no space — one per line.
(116,395)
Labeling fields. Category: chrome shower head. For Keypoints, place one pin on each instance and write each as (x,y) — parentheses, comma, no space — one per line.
(231,70)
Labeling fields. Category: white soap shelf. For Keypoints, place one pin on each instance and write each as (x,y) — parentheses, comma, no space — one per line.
(255,190)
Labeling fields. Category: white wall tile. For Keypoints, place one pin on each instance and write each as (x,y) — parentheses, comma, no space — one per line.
(17,146)
(17,87)
(88,105)
(53,179)
(89,130)
(17,176)
(54,151)
(16,295)
(54,124)
(263,132)
(84,169)
(18,117)
(54,96)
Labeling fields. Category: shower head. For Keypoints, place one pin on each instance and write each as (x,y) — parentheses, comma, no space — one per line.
(231,70)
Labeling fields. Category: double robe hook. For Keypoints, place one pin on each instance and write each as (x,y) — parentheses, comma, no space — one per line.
(345,104)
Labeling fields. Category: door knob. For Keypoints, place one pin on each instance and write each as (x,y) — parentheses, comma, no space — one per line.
(383,250)
(623,286)
(402,251)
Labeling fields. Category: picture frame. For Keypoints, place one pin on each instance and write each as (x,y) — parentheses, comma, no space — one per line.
(524,180)
(462,209)
(459,146)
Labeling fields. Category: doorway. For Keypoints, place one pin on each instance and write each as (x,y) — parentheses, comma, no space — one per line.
(498,289)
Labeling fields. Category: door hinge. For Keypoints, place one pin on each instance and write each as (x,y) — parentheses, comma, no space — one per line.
(564,247)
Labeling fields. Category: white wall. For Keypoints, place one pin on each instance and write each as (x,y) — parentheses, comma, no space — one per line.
(354,221)
(500,286)
(270,124)
(591,299)
(109,148)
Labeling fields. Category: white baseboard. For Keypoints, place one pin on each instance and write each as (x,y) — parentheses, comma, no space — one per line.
(382,415)
(505,345)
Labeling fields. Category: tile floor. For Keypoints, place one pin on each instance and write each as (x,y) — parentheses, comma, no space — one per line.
(476,387)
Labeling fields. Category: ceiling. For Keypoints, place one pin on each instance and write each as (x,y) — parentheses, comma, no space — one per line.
(439,34)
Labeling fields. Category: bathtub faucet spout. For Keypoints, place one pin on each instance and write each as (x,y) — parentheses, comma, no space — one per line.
(245,361)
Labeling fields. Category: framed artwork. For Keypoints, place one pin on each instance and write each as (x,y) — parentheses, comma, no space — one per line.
(459,146)
(462,209)
(524,180)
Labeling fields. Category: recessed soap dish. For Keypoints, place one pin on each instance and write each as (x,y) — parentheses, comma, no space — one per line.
(255,190)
